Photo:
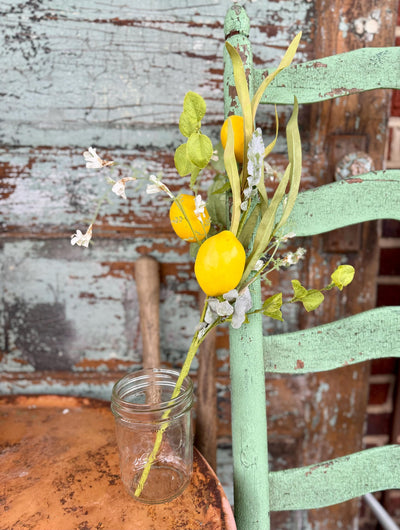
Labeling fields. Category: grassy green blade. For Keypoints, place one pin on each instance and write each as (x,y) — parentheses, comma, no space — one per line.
(244,97)
(285,62)
(266,226)
(234,179)
(270,147)
(295,159)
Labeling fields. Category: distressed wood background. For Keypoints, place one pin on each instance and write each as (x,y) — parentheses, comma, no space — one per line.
(113,75)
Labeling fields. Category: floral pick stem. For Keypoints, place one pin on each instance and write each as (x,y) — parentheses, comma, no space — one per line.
(194,346)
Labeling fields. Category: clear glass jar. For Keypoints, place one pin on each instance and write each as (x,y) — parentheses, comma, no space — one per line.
(140,403)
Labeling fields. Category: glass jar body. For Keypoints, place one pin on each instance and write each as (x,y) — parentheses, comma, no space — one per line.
(143,408)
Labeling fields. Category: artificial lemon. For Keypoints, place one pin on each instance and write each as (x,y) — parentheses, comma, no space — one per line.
(238,134)
(195,229)
(220,263)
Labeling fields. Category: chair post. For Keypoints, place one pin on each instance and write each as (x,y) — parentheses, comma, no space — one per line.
(249,421)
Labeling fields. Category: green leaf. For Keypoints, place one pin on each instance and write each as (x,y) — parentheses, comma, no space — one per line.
(199,149)
(187,125)
(194,106)
(217,206)
(285,62)
(343,275)
(234,179)
(182,163)
(272,307)
(266,226)
(312,300)
(242,90)
(295,159)
(300,292)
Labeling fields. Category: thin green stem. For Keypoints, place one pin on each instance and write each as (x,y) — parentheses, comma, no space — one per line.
(194,346)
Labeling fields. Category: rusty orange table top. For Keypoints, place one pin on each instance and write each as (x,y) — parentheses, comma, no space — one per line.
(59,470)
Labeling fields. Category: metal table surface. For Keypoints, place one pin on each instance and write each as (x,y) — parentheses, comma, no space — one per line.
(59,470)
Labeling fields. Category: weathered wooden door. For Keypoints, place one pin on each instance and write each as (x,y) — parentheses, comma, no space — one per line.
(113,75)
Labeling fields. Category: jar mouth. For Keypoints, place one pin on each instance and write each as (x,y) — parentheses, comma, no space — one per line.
(150,391)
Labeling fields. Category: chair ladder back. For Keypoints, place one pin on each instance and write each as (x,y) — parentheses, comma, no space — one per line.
(374,195)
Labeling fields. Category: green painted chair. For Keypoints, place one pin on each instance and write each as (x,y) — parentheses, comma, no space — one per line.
(257,491)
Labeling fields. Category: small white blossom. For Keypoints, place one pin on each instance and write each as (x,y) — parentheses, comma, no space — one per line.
(292,258)
(290,235)
(214,156)
(231,295)
(157,186)
(234,305)
(93,161)
(242,305)
(82,240)
(199,207)
(119,186)
(259,265)
(222,309)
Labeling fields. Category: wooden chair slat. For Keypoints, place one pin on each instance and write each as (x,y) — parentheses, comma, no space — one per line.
(335,76)
(335,481)
(369,335)
(367,197)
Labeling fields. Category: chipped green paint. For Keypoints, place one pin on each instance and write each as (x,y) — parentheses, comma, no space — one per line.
(249,424)
(374,195)
(336,480)
(335,76)
(116,73)
(370,335)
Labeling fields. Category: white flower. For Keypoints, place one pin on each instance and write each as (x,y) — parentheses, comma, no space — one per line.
(292,258)
(214,157)
(157,186)
(199,207)
(242,305)
(290,235)
(234,305)
(119,186)
(259,265)
(93,161)
(82,240)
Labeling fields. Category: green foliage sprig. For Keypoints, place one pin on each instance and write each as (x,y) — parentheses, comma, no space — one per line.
(195,154)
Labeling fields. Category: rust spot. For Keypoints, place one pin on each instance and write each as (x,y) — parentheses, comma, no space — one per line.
(353,181)
(341,92)
(317,64)
(299,364)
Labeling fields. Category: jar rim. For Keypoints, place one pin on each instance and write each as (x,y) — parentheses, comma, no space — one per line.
(142,378)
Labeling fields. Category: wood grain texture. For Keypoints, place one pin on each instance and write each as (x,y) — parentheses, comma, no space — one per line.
(116,73)
(147,277)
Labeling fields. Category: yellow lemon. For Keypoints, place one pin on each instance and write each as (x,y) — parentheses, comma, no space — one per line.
(238,133)
(195,229)
(220,263)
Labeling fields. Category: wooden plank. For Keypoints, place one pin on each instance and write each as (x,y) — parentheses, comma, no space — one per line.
(335,76)
(117,74)
(369,335)
(374,195)
(49,193)
(337,480)
(68,308)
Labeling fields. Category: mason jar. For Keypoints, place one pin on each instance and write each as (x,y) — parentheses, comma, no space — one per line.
(146,417)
